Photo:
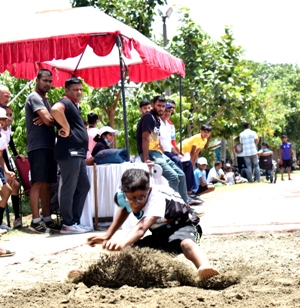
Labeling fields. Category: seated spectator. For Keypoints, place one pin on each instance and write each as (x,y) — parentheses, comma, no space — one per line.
(165,138)
(92,131)
(216,174)
(264,151)
(231,178)
(196,143)
(104,138)
(200,177)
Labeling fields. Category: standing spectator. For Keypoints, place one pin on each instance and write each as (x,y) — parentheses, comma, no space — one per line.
(200,177)
(92,131)
(145,106)
(4,95)
(196,143)
(216,174)
(40,146)
(239,153)
(15,199)
(149,147)
(70,152)
(5,189)
(249,140)
(12,181)
(286,155)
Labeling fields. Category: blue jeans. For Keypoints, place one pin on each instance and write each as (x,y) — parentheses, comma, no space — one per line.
(250,161)
(187,168)
(171,172)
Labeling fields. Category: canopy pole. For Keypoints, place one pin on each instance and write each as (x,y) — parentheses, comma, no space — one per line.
(119,44)
(27,85)
(180,110)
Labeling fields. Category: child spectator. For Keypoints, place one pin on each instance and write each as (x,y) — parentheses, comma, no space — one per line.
(202,187)
(231,178)
(174,226)
(5,189)
(287,153)
(216,174)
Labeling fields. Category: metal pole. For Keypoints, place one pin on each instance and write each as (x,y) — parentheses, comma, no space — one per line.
(180,110)
(119,44)
(165,30)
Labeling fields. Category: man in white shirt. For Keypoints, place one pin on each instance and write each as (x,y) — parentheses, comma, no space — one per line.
(249,140)
(216,174)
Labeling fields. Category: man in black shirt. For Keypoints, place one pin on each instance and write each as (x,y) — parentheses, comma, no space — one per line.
(150,149)
(70,153)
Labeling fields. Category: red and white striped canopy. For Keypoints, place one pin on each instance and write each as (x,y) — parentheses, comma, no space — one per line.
(82,42)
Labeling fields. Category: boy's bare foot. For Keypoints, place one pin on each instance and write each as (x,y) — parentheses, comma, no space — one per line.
(207,271)
(282,179)
(290,179)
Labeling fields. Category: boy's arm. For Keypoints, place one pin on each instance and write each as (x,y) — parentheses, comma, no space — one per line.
(145,145)
(121,216)
(133,235)
(194,154)
(202,183)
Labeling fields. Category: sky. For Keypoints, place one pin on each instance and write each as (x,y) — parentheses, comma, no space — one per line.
(267,30)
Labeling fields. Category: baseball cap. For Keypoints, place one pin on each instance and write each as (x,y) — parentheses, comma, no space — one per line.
(108,129)
(3,113)
(202,161)
(168,105)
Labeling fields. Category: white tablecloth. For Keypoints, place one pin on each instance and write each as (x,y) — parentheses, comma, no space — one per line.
(108,182)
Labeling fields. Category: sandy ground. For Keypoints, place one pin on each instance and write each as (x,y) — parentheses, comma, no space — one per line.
(260,269)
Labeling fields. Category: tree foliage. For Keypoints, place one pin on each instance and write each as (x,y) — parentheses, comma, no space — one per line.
(218,84)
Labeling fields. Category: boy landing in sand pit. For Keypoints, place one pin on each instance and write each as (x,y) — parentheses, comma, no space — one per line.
(175,227)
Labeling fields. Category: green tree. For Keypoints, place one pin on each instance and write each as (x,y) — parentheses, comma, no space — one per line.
(218,85)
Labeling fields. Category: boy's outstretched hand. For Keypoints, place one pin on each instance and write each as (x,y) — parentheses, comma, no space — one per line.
(108,244)
(93,240)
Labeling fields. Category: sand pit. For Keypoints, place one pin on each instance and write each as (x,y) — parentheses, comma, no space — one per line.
(258,270)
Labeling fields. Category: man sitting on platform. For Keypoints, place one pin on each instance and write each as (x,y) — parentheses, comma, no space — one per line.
(150,149)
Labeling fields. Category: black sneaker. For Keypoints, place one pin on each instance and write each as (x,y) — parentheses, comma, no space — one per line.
(39,227)
(52,225)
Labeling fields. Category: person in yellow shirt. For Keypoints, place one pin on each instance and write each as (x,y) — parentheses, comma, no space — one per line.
(196,143)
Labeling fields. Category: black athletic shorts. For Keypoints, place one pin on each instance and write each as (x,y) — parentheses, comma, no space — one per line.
(169,237)
(286,163)
(43,168)
(201,189)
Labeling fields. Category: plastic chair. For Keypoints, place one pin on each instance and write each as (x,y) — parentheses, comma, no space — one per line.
(23,169)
